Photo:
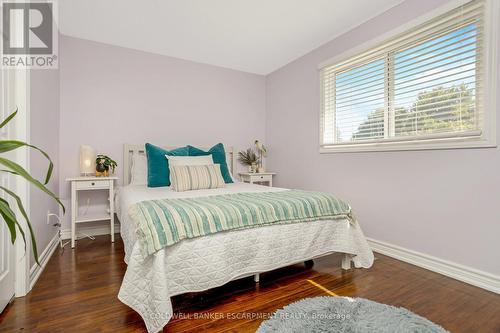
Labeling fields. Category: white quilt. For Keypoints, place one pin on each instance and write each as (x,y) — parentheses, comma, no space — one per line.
(211,261)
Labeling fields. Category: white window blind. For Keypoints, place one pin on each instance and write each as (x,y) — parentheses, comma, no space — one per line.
(424,84)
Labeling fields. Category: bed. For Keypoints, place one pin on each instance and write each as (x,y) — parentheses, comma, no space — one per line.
(202,263)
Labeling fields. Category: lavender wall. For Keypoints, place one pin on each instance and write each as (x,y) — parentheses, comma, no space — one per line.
(44,133)
(443,202)
(112,95)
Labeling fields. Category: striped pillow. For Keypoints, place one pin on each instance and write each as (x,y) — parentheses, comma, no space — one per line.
(195,177)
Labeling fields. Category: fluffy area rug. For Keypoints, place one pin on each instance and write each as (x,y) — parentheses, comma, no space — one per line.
(346,315)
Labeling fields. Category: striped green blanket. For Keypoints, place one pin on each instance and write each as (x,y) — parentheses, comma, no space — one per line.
(161,223)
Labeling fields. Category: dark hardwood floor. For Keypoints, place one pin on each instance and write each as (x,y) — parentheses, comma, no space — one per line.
(77,293)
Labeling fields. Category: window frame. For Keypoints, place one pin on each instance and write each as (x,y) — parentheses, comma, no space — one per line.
(484,138)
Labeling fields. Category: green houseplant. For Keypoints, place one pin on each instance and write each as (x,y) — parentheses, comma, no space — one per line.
(248,157)
(103,163)
(11,167)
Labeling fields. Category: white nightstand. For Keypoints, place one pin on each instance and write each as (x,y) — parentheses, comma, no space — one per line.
(263,177)
(90,184)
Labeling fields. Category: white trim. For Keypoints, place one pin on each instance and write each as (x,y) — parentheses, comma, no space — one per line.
(429,144)
(44,258)
(456,271)
(21,125)
(492,25)
(487,139)
(90,230)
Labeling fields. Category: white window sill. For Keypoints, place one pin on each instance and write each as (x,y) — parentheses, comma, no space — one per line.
(429,144)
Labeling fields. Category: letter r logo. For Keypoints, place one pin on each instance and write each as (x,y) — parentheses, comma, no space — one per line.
(27,28)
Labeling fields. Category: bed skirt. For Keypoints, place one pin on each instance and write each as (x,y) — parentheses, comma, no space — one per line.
(203,263)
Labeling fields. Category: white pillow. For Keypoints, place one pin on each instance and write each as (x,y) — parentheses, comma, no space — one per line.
(189,160)
(139,170)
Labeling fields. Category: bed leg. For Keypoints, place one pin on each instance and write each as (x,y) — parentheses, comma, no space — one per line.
(346,261)
(256,278)
(309,264)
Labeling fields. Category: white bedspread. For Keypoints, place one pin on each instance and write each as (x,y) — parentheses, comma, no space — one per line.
(211,261)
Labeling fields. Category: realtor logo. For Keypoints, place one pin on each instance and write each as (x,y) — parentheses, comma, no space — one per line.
(29,34)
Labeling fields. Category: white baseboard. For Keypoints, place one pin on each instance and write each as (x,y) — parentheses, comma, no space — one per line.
(456,271)
(44,258)
(91,231)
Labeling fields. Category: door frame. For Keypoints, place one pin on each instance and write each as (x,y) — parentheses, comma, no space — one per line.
(8,273)
(18,92)
(21,131)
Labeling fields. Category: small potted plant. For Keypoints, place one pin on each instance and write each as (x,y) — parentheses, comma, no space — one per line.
(249,158)
(102,165)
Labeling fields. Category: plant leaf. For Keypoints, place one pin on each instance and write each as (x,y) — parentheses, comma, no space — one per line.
(19,170)
(8,145)
(8,214)
(9,218)
(9,118)
(23,212)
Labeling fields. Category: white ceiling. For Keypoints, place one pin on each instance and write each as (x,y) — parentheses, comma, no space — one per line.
(257,36)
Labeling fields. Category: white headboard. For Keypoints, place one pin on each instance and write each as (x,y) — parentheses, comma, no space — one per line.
(130,150)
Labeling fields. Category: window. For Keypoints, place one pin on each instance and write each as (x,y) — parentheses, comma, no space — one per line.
(423,87)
